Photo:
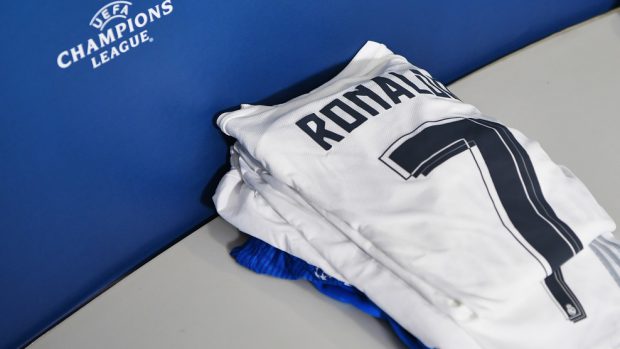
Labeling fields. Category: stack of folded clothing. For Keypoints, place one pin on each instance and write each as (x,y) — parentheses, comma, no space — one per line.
(455,227)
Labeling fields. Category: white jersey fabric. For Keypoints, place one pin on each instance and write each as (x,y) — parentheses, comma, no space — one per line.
(444,217)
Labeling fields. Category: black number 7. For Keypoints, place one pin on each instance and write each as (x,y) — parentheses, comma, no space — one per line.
(512,174)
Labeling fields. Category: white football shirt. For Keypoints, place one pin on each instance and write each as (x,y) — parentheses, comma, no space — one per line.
(386,180)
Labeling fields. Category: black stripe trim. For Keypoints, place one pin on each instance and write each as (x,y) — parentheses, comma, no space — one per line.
(564,296)
(441,157)
(527,168)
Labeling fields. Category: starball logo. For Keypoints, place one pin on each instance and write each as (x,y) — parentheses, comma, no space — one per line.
(118,32)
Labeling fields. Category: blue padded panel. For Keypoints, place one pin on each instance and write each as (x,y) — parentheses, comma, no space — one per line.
(101,168)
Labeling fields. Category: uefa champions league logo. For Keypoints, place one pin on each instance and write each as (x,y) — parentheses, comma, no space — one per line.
(118,33)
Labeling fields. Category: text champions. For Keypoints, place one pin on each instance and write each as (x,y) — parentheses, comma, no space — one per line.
(116,40)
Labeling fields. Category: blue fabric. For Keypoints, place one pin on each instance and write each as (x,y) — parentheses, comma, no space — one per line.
(101,168)
(263,258)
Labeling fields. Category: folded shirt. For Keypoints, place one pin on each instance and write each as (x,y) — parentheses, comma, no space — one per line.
(263,258)
(387,181)
(531,319)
